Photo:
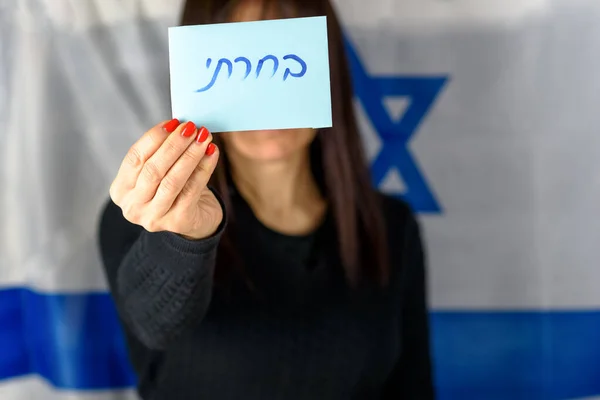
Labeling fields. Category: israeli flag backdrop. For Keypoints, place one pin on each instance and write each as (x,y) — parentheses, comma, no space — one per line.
(483,114)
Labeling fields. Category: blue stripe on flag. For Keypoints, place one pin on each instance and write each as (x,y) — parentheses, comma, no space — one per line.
(72,340)
(517,355)
(75,342)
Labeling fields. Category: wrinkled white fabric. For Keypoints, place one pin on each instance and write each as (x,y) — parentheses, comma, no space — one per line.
(510,147)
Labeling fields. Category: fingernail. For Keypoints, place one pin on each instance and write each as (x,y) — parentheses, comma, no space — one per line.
(202,135)
(171,125)
(189,129)
(210,150)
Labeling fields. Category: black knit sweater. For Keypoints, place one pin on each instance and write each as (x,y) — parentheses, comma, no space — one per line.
(300,334)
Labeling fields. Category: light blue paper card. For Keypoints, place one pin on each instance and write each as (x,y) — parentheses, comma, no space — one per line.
(251,75)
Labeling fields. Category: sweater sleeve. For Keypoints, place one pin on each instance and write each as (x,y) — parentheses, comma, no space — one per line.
(412,374)
(161,282)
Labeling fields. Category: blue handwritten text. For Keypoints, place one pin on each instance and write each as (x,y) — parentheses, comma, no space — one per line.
(261,63)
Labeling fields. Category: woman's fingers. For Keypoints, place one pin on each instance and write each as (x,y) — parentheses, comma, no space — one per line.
(176,179)
(161,184)
(137,155)
(200,176)
(157,166)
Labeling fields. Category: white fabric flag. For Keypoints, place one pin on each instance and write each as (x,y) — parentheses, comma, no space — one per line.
(483,115)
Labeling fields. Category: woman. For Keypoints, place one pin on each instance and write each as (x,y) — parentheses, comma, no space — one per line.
(290,278)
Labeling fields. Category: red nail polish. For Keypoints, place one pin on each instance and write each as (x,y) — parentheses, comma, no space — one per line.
(210,150)
(171,125)
(189,129)
(202,135)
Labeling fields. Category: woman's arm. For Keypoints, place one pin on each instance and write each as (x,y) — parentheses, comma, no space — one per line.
(161,283)
(412,376)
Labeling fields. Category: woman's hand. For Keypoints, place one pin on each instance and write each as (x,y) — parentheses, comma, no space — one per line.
(161,184)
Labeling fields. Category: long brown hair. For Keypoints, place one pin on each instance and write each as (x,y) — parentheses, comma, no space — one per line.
(338,159)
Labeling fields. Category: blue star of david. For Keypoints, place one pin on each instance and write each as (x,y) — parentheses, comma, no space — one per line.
(395,135)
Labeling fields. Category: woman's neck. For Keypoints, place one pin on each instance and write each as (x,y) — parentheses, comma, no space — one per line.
(282,194)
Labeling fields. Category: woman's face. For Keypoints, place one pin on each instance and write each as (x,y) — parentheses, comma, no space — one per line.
(266,145)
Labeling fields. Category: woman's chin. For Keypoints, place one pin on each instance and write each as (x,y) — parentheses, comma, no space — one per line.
(269,153)
(269,146)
